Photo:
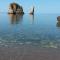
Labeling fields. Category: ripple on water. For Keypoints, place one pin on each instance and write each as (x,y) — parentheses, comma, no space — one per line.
(21,43)
(28,42)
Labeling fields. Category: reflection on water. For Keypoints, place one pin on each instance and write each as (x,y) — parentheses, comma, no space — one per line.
(36,30)
(32,18)
(15,18)
(58,24)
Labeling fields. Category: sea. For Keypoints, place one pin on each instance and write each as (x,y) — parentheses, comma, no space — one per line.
(41,30)
(29,37)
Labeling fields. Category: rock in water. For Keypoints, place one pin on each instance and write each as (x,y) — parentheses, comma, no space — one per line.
(32,12)
(15,8)
(58,18)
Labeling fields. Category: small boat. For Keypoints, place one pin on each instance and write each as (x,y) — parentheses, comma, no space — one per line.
(32,12)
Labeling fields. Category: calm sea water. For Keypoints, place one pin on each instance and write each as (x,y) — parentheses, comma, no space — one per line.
(42,30)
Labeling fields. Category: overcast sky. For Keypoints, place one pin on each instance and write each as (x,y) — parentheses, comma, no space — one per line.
(41,6)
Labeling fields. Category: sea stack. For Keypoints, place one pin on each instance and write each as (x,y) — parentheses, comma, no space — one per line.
(32,11)
(15,8)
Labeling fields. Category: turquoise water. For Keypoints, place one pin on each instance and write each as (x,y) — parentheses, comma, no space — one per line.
(41,30)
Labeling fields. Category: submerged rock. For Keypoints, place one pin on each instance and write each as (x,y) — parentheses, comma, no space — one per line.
(15,8)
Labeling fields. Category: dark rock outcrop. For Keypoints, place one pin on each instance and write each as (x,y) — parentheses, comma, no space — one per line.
(15,8)
(32,12)
(58,18)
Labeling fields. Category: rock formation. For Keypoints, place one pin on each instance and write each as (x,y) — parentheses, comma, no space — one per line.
(32,11)
(15,8)
(58,21)
(58,18)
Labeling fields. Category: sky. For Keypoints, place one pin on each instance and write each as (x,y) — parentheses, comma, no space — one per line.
(41,6)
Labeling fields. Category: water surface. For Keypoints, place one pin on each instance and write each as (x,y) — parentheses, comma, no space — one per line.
(39,30)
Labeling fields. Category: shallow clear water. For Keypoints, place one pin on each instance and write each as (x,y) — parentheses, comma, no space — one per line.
(42,30)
